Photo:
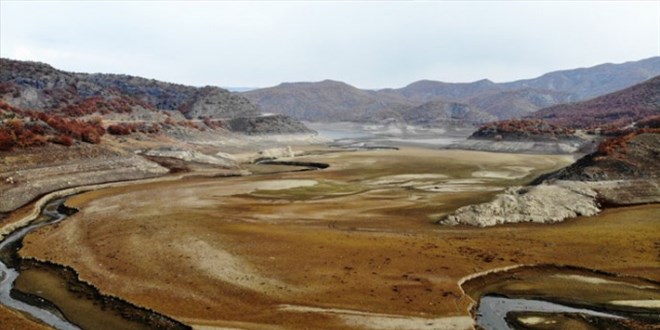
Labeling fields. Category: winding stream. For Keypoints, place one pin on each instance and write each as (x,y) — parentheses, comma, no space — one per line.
(8,272)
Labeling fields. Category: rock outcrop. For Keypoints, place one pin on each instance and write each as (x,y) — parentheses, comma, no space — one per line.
(214,102)
(542,204)
(270,124)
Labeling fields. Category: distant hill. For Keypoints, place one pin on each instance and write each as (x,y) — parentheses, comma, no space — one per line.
(337,101)
(326,101)
(428,90)
(517,103)
(439,113)
(612,110)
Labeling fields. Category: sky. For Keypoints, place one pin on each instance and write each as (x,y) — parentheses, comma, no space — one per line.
(369,44)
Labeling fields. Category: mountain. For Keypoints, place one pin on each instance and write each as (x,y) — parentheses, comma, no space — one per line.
(440,113)
(326,101)
(586,83)
(337,101)
(614,110)
(427,90)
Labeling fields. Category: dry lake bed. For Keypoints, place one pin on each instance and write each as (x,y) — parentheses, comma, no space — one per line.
(355,245)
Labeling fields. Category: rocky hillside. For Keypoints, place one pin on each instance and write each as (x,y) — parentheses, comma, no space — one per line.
(612,110)
(337,101)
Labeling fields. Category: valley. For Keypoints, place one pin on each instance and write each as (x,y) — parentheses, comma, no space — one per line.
(132,203)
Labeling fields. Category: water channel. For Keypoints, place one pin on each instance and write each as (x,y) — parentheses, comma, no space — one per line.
(8,269)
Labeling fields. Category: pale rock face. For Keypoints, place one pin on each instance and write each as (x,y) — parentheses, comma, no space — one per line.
(194,156)
(284,152)
(541,204)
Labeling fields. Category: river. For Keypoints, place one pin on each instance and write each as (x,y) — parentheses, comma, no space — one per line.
(8,273)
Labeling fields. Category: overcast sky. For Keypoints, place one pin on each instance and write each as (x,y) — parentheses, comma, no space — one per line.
(369,44)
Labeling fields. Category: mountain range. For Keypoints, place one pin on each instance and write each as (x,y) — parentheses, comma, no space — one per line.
(333,101)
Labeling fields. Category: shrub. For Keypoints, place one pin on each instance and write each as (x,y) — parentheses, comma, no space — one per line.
(7,141)
(61,139)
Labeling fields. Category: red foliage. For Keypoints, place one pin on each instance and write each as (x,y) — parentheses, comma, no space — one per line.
(13,133)
(213,124)
(153,128)
(649,122)
(618,145)
(61,139)
(128,128)
(188,123)
(119,129)
(121,104)
(9,88)
(7,140)
(169,122)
